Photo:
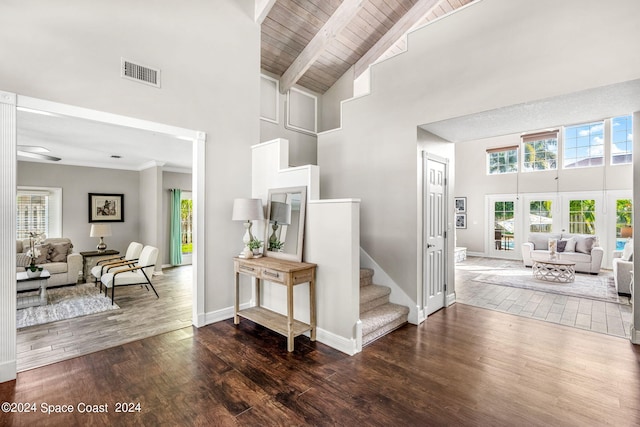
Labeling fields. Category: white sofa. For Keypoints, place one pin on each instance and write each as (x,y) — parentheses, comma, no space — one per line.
(580,248)
(622,267)
(59,260)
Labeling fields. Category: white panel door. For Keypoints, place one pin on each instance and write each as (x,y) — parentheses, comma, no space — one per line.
(435,226)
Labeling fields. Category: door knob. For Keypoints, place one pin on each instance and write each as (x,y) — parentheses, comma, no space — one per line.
(429,245)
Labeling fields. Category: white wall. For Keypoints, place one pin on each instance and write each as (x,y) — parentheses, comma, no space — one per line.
(492,54)
(209,54)
(76,183)
(332,98)
(302,146)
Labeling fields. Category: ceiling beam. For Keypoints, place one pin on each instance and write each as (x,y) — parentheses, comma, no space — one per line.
(329,31)
(404,24)
(262,9)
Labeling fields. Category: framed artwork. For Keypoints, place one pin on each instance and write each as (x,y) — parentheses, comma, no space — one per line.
(106,207)
(461,204)
(461,220)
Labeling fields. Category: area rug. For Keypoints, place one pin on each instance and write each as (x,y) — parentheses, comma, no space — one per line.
(600,287)
(65,303)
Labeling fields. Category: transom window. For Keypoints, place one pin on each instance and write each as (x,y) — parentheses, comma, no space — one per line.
(584,145)
(540,151)
(621,140)
(540,218)
(502,160)
(582,216)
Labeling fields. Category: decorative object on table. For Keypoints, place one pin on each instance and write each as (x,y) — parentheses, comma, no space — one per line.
(101,231)
(461,220)
(552,249)
(255,246)
(461,204)
(626,232)
(286,205)
(34,253)
(106,207)
(247,210)
(280,215)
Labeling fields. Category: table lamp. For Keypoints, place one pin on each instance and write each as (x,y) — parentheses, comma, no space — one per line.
(101,231)
(247,210)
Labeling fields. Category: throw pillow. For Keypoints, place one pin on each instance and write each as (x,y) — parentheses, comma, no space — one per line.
(59,252)
(541,240)
(23,260)
(44,253)
(570,245)
(562,244)
(584,244)
(627,252)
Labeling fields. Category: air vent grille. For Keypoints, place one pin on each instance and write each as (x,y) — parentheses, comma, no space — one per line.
(140,73)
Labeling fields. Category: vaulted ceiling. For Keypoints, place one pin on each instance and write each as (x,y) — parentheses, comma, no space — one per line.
(312,43)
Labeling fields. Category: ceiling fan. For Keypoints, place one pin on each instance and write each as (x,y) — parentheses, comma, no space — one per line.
(36,152)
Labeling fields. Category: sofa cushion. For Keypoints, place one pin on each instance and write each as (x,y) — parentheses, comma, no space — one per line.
(571,244)
(561,245)
(56,267)
(627,252)
(585,243)
(23,260)
(541,240)
(59,252)
(44,253)
(575,257)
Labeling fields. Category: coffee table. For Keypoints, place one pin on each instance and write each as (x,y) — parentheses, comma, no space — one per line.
(26,283)
(554,271)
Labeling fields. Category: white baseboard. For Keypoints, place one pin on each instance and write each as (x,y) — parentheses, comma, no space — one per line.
(222,314)
(480,254)
(635,335)
(451,299)
(345,345)
(421,316)
(8,370)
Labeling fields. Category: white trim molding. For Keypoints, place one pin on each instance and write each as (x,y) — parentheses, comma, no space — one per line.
(345,345)
(635,335)
(8,190)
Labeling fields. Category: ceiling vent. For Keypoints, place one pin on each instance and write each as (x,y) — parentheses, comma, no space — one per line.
(140,73)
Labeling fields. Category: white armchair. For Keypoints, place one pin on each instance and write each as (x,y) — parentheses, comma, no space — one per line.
(622,268)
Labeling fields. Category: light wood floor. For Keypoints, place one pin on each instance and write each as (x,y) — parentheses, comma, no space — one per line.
(141,315)
(584,313)
(464,366)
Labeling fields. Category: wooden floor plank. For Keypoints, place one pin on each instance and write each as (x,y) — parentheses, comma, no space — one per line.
(463,366)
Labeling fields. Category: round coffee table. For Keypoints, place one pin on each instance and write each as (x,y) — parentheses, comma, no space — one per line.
(554,271)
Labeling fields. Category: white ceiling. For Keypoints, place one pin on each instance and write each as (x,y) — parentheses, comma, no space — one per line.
(580,107)
(83,142)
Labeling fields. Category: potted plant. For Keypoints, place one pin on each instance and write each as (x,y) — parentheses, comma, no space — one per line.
(255,246)
(33,253)
(275,245)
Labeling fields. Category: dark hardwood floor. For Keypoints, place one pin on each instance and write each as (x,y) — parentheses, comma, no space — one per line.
(463,366)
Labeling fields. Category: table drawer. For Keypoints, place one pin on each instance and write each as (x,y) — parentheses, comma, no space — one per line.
(248,269)
(273,275)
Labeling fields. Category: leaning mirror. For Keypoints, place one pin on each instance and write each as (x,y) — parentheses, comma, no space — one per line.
(285,229)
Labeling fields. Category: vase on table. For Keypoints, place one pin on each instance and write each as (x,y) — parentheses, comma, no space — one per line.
(34,273)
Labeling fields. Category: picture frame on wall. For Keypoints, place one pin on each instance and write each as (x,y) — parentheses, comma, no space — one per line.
(461,220)
(461,204)
(106,207)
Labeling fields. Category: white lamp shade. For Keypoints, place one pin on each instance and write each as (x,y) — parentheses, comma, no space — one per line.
(247,209)
(100,230)
(280,213)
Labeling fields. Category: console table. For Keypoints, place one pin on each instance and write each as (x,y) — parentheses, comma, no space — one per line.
(281,272)
(91,258)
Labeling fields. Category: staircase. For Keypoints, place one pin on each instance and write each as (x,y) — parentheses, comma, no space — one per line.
(377,314)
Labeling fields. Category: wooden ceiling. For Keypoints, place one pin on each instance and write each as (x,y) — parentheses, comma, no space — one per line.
(312,43)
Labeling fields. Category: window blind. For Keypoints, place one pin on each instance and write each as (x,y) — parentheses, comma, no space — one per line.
(539,136)
(33,213)
(501,149)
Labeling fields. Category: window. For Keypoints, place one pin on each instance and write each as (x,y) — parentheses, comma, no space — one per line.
(502,160)
(186,224)
(621,140)
(39,210)
(584,145)
(582,216)
(624,222)
(540,218)
(540,151)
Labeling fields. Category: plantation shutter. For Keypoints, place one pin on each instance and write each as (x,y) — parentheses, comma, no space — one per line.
(33,213)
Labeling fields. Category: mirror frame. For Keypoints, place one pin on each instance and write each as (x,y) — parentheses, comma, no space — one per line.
(297,256)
